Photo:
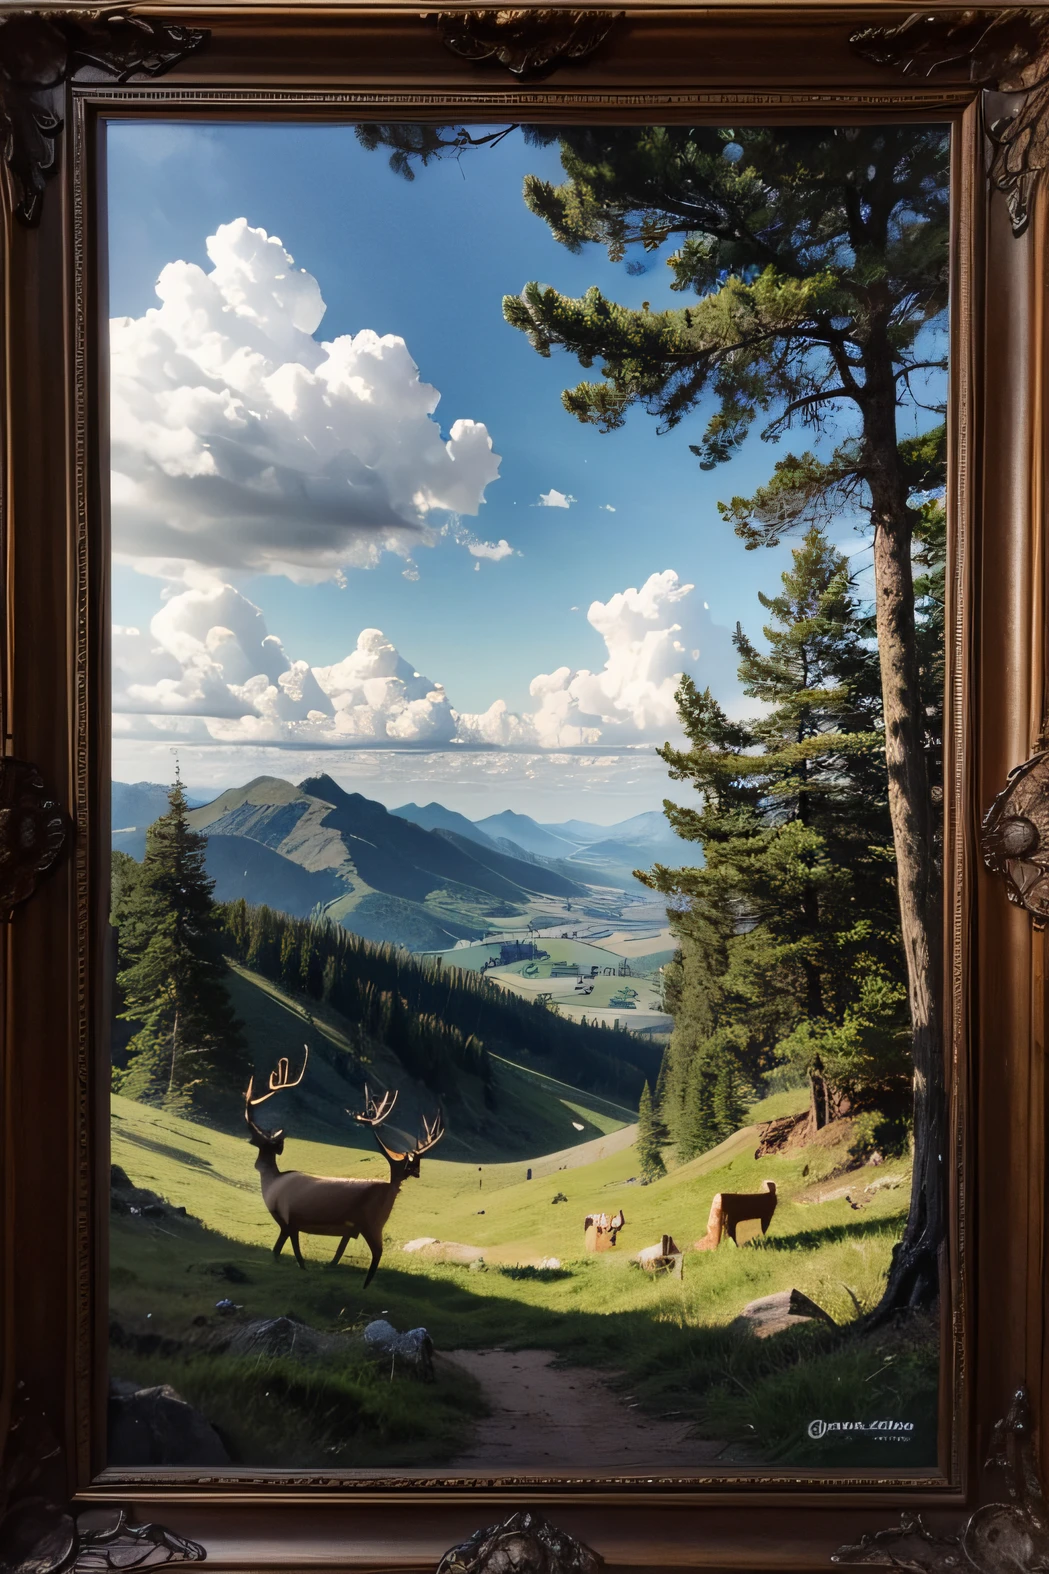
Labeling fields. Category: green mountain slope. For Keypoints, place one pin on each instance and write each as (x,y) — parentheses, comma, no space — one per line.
(435,817)
(531,1114)
(378,874)
(438,1018)
(240,867)
(528,875)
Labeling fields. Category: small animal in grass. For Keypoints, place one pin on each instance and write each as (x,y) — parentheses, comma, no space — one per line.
(602,1230)
(732,1208)
(327,1205)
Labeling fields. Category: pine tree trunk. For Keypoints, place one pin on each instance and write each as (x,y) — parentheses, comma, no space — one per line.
(817,1100)
(914,1273)
(174,1054)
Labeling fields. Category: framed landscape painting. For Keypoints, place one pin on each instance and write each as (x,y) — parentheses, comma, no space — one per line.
(537,584)
(471,768)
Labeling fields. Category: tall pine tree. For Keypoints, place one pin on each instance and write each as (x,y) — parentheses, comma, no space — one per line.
(189,1047)
(649,1153)
(795,903)
(818,259)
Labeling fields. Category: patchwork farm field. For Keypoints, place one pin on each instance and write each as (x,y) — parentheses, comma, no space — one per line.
(614,979)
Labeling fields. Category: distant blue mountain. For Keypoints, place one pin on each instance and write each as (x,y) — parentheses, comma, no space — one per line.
(435,817)
(527,833)
(138,804)
(422,877)
(651,826)
(132,841)
(578,831)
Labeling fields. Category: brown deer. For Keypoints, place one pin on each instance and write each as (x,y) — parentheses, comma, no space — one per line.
(731,1208)
(325,1205)
(601,1231)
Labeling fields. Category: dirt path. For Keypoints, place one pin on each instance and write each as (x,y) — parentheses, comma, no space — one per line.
(566,1418)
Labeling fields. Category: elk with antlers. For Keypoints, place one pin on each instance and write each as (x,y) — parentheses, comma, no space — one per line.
(326,1205)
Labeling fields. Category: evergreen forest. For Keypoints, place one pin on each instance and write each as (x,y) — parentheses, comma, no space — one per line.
(790,962)
(188,1050)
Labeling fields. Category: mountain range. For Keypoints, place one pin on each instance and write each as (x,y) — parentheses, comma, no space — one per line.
(315,845)
(421,877)
(596,854)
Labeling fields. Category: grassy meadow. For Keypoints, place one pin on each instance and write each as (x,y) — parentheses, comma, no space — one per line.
(673,1348)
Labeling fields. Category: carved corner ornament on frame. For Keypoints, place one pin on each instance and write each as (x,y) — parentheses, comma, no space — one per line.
(34,832)
(40,52)
(1007,54)
(530,43)
(1015,837)
(999,1538)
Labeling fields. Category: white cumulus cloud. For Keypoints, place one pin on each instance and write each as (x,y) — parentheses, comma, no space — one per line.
(651,636)
(242,443)
(208,669)
(377,694)
(555,499)
(494,550)
(208,655)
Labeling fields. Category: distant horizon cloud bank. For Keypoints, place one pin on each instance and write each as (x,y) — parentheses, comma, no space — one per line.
(603,789)
(209,671)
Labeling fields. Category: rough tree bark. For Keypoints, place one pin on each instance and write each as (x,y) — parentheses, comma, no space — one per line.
(913,1278)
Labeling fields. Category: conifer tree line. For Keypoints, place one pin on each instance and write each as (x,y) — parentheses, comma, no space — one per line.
(437,1019)
(305,958)
(789,929)
(650,1138)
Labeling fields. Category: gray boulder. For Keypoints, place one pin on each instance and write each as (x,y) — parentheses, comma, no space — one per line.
(414,1348)
(773,1313)
(282,1336)
(155,1426)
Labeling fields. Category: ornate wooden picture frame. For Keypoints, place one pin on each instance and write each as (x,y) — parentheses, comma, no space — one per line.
(63,71)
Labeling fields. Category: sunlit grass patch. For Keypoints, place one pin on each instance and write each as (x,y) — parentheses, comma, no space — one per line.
(672,1347)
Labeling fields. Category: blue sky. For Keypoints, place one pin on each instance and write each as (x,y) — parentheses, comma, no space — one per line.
(429,261)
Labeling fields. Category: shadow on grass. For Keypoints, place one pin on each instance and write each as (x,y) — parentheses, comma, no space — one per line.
(756,1396)
(829,1234)
(528,1272)
(166,1150)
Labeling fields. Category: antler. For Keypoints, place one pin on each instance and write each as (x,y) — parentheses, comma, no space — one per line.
(280,1080)
(434,1132)
(374,1114)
